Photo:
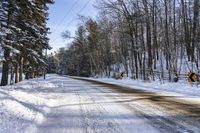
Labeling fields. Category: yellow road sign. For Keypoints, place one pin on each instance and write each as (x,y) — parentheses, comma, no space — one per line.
(122,75)
(192,77)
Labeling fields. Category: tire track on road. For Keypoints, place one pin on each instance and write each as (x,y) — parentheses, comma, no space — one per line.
(180,115)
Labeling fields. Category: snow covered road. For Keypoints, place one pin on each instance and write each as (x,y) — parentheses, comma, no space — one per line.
(65,105)
(83,107)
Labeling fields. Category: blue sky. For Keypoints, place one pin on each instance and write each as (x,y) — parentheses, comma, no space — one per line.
(60,19)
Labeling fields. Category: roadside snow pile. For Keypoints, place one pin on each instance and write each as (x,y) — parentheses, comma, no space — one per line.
(23,106)
(181,88)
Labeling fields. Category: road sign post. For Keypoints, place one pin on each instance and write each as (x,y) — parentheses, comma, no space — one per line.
(192,77)
(122,75)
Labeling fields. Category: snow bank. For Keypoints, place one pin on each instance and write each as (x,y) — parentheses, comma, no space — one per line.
(180,89)
(23,106)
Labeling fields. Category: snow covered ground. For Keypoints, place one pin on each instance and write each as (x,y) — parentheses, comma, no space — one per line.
(64,105)
(22,106)
(60,104)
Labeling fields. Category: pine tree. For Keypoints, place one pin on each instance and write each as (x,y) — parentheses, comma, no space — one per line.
(24,36)
(8,39)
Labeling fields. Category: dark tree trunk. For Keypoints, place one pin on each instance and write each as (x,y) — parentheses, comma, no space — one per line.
(21,70)
(12,75)
(16,73)
(5,69)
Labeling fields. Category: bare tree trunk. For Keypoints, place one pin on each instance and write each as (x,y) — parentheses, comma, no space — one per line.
(186,30)
(195,21)
(148,35)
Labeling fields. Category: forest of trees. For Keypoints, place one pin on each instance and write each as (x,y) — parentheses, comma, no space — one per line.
(23,38)
(147,39)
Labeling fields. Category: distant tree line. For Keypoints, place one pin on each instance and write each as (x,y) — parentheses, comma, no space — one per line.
(23,38)
(147,38)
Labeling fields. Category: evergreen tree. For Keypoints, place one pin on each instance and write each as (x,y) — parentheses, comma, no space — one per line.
(23,23)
